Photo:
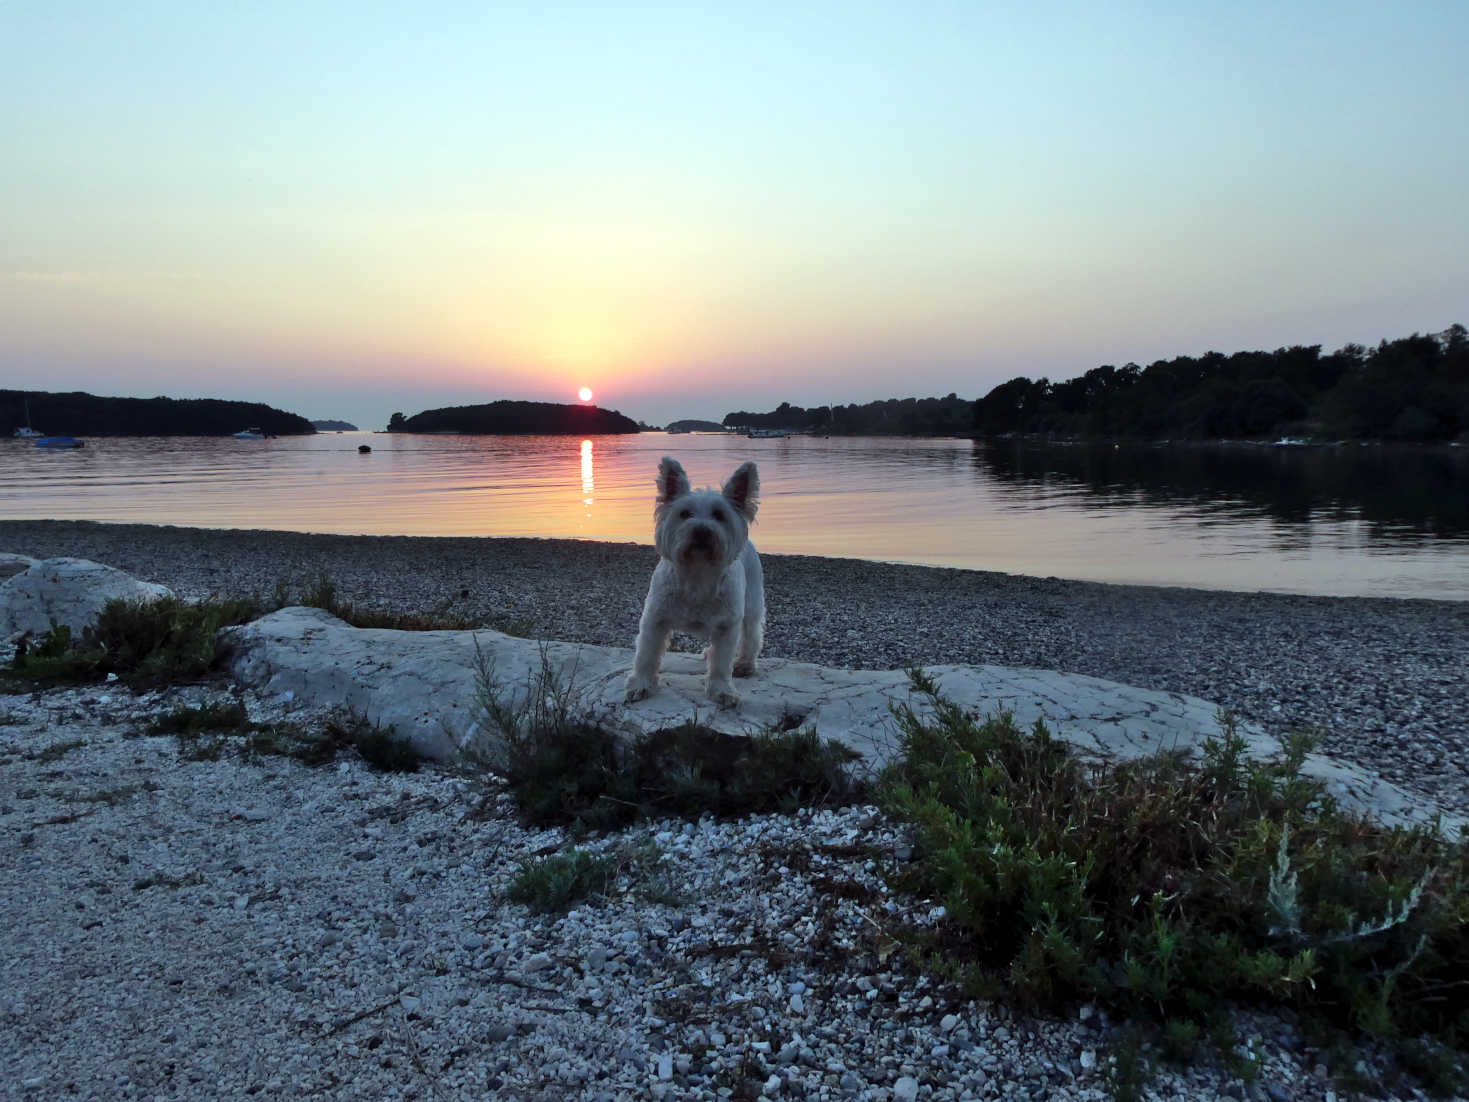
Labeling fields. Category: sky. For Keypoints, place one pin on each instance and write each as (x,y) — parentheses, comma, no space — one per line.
(350,209)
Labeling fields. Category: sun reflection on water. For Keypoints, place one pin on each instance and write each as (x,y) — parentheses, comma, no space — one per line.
(586,473)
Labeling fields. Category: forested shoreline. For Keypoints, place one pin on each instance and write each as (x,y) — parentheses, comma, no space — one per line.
(1412,390)
(80,414)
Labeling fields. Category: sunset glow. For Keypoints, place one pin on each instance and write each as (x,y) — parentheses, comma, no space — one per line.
(937,198)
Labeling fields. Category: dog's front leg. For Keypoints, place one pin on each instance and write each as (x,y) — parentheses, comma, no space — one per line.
(723,642)
(653,636)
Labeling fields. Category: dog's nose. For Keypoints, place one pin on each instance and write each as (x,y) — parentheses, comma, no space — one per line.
(701,536)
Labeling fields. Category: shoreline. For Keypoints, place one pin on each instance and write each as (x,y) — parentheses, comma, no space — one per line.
(1382,677)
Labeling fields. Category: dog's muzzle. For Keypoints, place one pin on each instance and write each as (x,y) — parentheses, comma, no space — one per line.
(703,542)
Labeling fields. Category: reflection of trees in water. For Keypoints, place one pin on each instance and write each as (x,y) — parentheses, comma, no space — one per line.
(1400,493)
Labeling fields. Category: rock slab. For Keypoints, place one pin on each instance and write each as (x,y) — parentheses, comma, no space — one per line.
(424,686)
(37,593)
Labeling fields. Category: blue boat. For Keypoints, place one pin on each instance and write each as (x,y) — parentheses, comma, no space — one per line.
(60,442)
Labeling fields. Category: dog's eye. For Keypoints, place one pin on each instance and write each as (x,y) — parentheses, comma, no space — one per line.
(719,515)
(685,514)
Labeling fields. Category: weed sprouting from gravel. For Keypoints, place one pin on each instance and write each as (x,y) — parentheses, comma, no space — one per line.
(209,731)
(561,880)
(215,715)
(1166,890)
(554,883)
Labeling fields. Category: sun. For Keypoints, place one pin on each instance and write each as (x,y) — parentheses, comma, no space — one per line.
(585,394)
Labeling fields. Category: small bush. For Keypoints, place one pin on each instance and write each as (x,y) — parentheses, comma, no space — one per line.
(565,769)
(228,715)
(383,750)
(554,883)
(209,731)
(54,658)
(1165,889)
(142,643)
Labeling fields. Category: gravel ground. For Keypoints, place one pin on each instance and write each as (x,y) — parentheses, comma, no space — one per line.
(183,929)
(1384,681)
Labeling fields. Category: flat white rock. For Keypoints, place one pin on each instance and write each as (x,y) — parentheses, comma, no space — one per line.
(422,684)
(64,591)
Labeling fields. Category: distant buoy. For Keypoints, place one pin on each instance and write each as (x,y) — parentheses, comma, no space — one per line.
(363,449)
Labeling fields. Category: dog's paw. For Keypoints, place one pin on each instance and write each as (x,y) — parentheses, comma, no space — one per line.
(723,694)
(745,668)
(637,688)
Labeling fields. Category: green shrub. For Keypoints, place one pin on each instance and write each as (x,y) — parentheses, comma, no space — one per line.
(383,750)
(223,715)
(554,883)
(565,769)
(208,731)
(1164,889)
(142,643)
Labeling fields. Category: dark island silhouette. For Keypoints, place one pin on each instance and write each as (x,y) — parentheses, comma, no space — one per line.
(693,424)
(513,418)
(79,414)
(334,426)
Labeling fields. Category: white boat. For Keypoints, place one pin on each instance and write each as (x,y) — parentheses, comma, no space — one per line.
(25,432)
(249,434)
(767,434)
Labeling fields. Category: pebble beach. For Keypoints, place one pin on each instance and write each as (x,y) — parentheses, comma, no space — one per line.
(1383,682)
(183,929)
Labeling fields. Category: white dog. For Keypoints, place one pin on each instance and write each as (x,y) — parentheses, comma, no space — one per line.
(708,580)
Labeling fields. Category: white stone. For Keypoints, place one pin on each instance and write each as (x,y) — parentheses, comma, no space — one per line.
(64,591)
(11,564)
(422,684)
(905,1089)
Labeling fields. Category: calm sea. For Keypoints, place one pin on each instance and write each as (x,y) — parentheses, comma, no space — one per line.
(1346,521)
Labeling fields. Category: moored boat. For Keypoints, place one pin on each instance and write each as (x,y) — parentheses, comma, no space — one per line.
(60,442)
(25,432)
(249,434)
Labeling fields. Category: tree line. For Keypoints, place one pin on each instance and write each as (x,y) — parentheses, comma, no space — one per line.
(1415,388)
(79,414)
(947,416)
(1412,389)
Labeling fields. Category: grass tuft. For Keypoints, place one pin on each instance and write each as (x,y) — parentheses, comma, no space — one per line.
(1164,889)
(321,592)
(554,883)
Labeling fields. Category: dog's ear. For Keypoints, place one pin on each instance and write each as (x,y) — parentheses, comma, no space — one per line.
(672,482)
(743,490)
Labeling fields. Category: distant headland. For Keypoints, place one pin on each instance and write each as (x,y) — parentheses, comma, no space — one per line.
(1411,390)
(333,426)
(508,417)
(80,414)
